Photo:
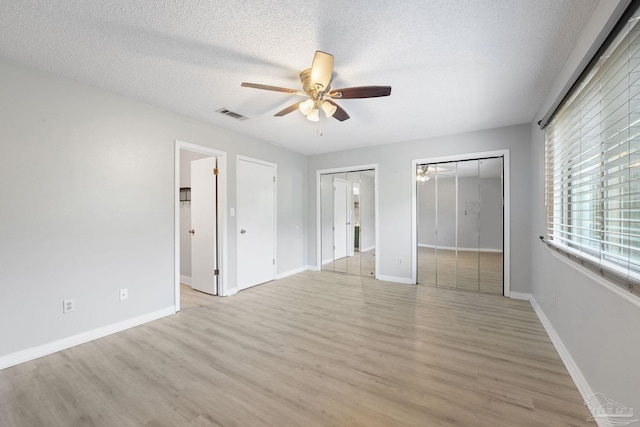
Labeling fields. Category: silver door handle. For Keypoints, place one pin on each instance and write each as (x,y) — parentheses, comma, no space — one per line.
(243,231)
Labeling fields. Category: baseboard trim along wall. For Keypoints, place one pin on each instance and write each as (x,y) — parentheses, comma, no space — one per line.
(291,272)
(185,279)
(396,279)
(579,379)
(520,295)
(453,248)
(85,337)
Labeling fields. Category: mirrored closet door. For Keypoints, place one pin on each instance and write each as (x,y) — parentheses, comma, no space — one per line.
(347,227)
(460,224)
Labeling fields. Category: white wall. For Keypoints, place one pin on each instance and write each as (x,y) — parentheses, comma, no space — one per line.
(396,177)
(598,328)
(87,190)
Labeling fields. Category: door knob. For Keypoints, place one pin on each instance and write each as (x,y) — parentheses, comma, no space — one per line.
(243,231)
(192,231)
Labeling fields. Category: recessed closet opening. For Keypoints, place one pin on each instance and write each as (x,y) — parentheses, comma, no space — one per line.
(347,212)
(460,224)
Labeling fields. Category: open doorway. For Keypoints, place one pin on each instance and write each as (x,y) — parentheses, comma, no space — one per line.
(200,200)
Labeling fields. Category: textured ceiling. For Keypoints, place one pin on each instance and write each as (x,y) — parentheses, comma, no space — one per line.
(454,66)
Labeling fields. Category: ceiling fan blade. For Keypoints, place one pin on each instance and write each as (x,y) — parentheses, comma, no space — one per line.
(322,69)
(360,92)
(288,110)
(340,114)
(267,87)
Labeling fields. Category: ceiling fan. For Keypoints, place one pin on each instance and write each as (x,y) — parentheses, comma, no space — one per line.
(316,85)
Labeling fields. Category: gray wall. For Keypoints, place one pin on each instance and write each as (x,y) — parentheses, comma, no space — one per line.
(598,327)
(396,178)
(87,188)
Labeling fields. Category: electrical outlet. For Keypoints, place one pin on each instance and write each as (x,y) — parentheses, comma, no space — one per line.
(124,294)
(68,306)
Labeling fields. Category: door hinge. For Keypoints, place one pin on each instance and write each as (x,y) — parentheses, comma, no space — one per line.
(274,179)
(216,272)
(274,261)
(215,171)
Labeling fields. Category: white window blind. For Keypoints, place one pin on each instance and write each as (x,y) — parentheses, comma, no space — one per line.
(593,164)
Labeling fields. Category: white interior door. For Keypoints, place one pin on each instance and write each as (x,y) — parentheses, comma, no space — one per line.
(340,218)
(255,223)
(203,225)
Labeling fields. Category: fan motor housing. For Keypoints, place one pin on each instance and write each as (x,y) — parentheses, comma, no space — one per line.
(308,86)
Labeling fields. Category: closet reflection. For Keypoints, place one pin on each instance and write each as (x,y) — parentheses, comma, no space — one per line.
(347,210)
(460,224)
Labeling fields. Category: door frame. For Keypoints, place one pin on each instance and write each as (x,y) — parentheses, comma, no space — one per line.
(275,211)
(356,168)
(222,215)
(506,267)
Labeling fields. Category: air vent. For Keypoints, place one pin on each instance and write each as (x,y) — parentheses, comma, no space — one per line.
(231,114)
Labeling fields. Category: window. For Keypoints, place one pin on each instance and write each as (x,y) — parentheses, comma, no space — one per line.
(593,163)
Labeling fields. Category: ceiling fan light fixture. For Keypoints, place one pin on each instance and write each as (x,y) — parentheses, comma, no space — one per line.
(422,173)
(313,115)
(316,85)
(328,108)
(307,107)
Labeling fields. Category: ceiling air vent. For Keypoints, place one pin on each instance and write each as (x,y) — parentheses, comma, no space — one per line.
(231,114)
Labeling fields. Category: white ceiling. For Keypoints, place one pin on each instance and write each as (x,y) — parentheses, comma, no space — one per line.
(454,66)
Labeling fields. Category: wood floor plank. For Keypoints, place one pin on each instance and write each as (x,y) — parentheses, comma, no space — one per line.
(314,349)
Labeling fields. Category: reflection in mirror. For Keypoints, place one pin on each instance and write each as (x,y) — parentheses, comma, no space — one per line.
(459,213)
(446,181)
(468,202)
(342,244)
(491,226)
(347,204)
(326,224)
(367,223)
(426,198)
(353,223)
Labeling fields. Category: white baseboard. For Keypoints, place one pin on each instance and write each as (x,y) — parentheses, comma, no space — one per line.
(396,279)
(291,272)
(580,381)
(52,347)
(453,248)
(185,279)
(520,295)
(313,268)
(367,249)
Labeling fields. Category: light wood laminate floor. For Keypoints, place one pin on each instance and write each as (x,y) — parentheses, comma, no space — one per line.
(469,270)
(191,298)
(314,349)
(358,264)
